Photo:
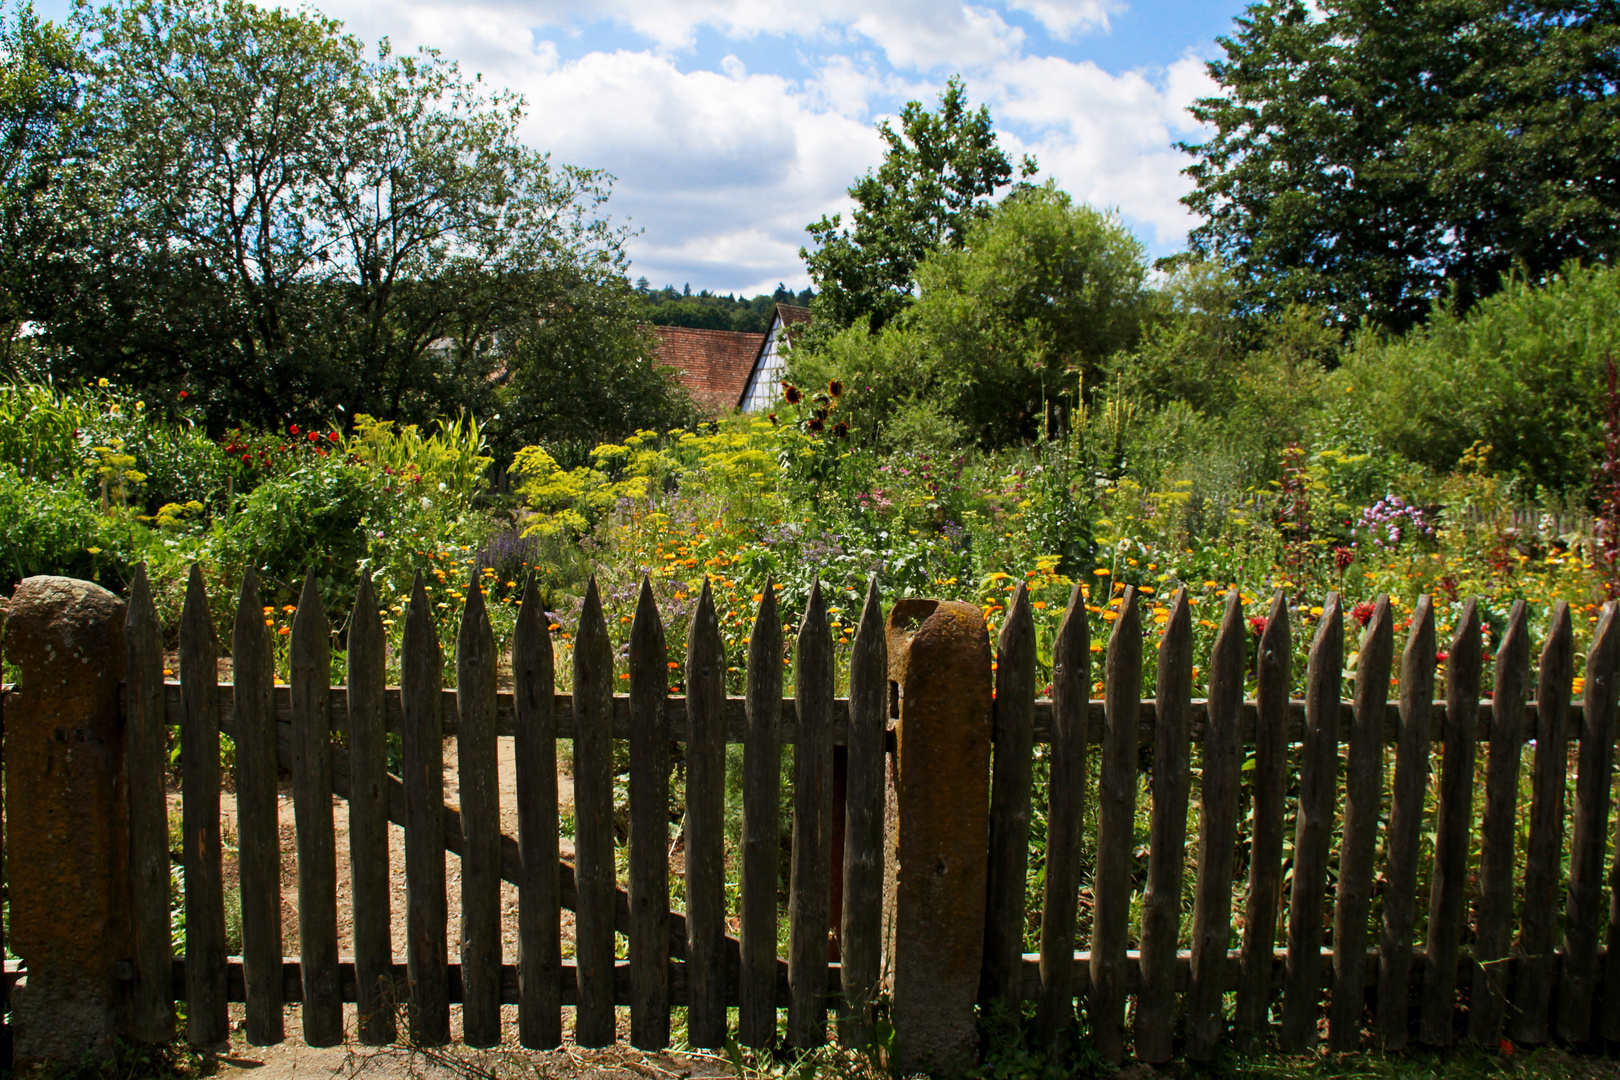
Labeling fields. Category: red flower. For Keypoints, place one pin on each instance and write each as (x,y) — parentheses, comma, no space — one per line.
(1363,612)
(1257,623)
(247,459)
(331,436)
(292,429)
(184,395)
(1342,558)
(1440,658)
(313,436)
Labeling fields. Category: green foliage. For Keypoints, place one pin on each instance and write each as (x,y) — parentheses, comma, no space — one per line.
(44,529)
(1521,373)
(1368,159)
(704,310)
(937,176)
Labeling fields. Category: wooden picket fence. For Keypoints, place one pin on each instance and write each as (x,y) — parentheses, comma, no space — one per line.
(1532,968)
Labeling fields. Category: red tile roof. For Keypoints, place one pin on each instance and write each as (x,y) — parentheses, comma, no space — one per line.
(713,365)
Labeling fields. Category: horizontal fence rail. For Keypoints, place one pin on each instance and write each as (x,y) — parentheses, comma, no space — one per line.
(1327,944)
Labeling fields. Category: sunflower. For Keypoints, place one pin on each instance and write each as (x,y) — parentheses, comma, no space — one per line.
(791,394)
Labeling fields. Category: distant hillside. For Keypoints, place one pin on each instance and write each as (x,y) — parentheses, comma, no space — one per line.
(705,310)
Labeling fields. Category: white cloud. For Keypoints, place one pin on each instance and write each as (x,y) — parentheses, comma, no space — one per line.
(1065,19)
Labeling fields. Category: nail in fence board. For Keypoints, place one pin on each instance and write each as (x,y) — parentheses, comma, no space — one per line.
(593,824)
(1116,810)
(649,829)
(258,834)
(1406,829)
(1493,917)
(859,933)
(534,749)
(368,820)
(705,827)
(1218,799)
(1318,766)
(1013,743)
(1275,660)
(1448,890)
(1161,904)
(480,824)
(756,1013)
(810,893)
(1582,909)
(145,757)
(312,810)
(422,764)
(1066,797)
(1364,789)
(206,1020)
(1537,963)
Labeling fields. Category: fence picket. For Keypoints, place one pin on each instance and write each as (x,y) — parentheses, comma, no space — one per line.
(649,827)
(1273,666)
(1602,685)
(1364,789)
(258,859)
(705,827)
(1533,982)
(1116,810)
(1013,734)
(1487,1001)
(593,823)
(1066,794)
(1318,766)
(762,756)
(311,681)
(368,819)
(1582,910)
(861,927)
(534,750)
(480,823)
(1453,824)
(1161,904)
(422,765)
(810,892)
(206,1020)
(1218,806)
(145,757)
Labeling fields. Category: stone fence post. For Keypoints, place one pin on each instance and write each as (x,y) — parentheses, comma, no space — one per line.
(939,809)
(67,860)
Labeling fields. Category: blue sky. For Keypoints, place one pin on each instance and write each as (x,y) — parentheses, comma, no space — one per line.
(731,124)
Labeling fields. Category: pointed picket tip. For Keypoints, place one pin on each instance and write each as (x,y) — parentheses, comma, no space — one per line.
(249,607)
(815,611)
(1331,621)
(1180,621)
(1466,644)
(1274,638)
(1382,621)
(1516,639)
(141,611)
(533,628)
(1607,635)
(1422,620)
(765,616)
(1129,615)
(705,604)
(195,611)
(1074,630)
(1019,626)
(474,612)
(871,612)
(310,607)
(1231,618)
(592,623)
(419,612)
(365,595)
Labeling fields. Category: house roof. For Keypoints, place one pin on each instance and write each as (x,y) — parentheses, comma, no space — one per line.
(713,365)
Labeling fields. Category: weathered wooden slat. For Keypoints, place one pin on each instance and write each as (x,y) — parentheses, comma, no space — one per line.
(1065,812)
(1583,915)
(368,821)
(593,824)
(649,828)
(1171,779)
(1218,807)
(1116,810)
(312,811)
(1543,856)
(1252,1014)
(1411,781)
(145,754)
(705,826)
(206,1021)
(1363,792)
(1602,687)
(422,765)
(534,751)
(1318,766)
(1448,890)
(811,883)
(860,944)
(258,858)
(762,757)
(480,823)
(737,722)
(1493,919)
(1010,781)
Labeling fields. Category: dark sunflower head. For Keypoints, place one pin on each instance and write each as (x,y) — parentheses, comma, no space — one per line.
(791,394)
